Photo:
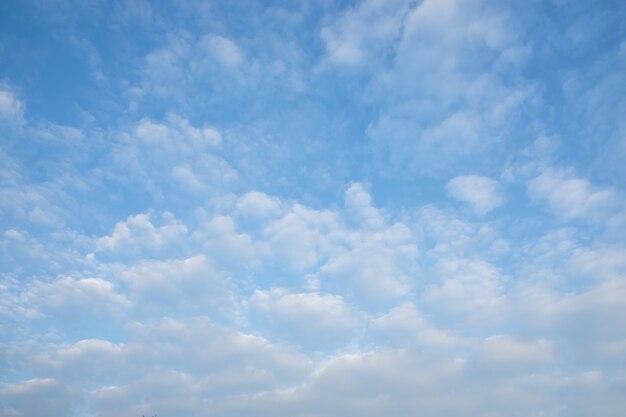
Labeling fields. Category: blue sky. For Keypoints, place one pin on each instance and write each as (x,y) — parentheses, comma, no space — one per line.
(312,208)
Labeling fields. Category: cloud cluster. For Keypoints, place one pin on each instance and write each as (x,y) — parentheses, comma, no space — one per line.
(313,209)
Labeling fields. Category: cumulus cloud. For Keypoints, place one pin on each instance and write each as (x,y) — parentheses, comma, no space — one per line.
(377,265)
(193,285)
(474,289)
(175,365)
(330,319)
(219,238)
(304,236)
(259,205)
(359,207)
(482,194)
(405,325)
(73,295)
(204,241)
(571,197)
(138,236)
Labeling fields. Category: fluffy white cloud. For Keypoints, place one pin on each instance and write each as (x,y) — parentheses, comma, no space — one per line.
(472,289)
(404,325)
(304,236)
(312,319)
(571,197)
(137,236)
(220,239)
(482,194)
(358,204)
(300,300)
(193,285)
(76,295)
(378,265)
(176,366)
(259,205)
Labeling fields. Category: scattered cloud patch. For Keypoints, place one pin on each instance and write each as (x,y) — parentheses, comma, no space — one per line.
(482,194)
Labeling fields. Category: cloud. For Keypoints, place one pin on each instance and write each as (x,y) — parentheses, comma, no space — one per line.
(404,325)
(402,382)
(174,365)
(11,109)
(303,236)
(378,265)
(193,285)
(68,295)
(364,31)
(571,197)
(223,49)
(503,351)
(220,239)
(138,236)
(258,205)
(358,203)
(469,288)
(482,194)
(266,211)
(440,104)
(330,320)
(37,396)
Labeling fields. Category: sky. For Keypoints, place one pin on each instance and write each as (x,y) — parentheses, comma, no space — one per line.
(312,208)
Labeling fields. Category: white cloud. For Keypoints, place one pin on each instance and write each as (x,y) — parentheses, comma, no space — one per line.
(571,197)
(378,265)
(38,397)
(193,285)
(446,234)
(138,236)
(11,109)
(258,205)
(440,104)
(404,325)
(221,240)
(303,236)
(407,382)
(177,136)
(312,319)
(364,31)
(482,194)
(76,295)
(469,288)
(168,154)
(358,203)
(605,263)
(223,49)
(505,352)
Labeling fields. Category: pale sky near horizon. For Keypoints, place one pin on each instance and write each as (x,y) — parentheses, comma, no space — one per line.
(312,208)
